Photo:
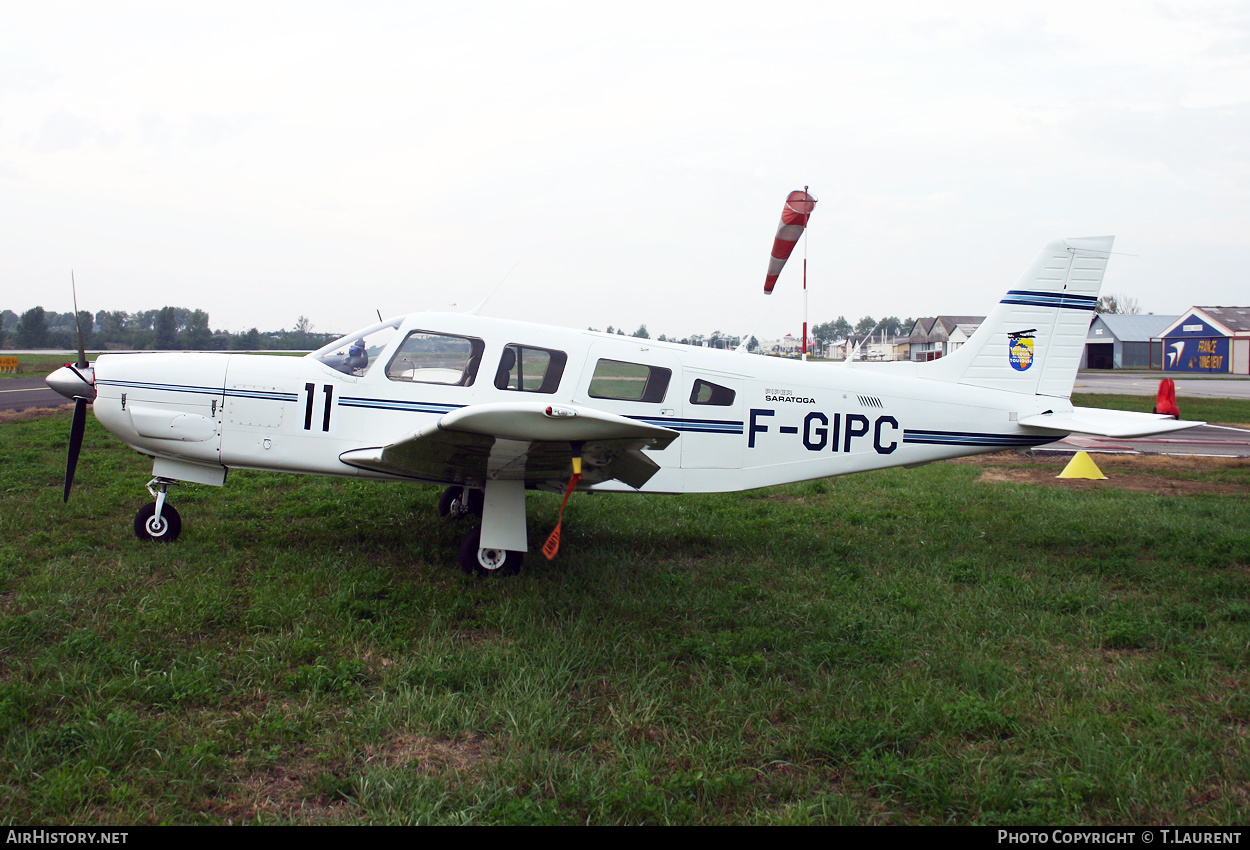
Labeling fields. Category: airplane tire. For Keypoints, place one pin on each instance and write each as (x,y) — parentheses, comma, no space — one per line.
(477,561)
(448,507)
(448,498)
(146,527)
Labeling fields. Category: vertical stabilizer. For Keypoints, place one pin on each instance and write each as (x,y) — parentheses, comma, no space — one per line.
(1032,341)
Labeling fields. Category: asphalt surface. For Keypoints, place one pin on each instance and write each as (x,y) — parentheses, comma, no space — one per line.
(21,393)
(1137,383)
(1209,440)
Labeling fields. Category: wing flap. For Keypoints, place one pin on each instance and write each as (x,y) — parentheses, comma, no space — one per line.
(521,440)
(1123,424)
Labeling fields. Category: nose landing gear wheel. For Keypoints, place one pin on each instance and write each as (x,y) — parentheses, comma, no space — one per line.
(148,527)
(475,560)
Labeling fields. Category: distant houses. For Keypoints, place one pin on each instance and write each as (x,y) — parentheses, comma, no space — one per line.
(876,347)
(937,336)
(927,339)
(788,346)
(1203,339)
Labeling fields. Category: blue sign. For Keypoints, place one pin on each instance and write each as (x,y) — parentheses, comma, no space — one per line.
(1195,346)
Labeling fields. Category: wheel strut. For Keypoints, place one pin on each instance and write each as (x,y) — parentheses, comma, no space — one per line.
(159,488)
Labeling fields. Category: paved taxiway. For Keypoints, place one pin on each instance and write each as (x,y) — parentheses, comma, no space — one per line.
(1138,383)
(21,393)
(1209,440)
(1213,440)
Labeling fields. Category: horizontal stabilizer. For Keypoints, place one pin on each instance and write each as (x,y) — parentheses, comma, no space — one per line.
(1107,423)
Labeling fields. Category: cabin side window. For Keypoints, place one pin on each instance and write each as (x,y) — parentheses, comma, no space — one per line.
(530,370)
(425,357)
(617,379)
(705,392)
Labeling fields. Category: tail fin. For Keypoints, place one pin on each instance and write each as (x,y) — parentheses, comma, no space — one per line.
(1032,341)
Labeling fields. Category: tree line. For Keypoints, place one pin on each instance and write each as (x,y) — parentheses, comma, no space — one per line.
(176,328)
(169,328)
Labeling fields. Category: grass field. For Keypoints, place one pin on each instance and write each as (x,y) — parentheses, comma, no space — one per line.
(969,642)
(37,365)
(1229,411)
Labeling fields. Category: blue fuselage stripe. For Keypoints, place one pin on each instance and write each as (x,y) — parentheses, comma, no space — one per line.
(704,426)
(397,404)
(176,388)
(963,438)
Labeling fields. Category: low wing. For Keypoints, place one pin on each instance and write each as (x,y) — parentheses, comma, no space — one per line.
(1107,423)
(529,441)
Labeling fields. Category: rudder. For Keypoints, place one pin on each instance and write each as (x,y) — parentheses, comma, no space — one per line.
(1033,339)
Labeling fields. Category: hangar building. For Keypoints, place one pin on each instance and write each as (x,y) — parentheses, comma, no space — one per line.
(1122,341)
(1206,339)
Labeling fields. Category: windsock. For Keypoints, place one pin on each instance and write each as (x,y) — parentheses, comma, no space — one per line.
(1165,400)
(794,216)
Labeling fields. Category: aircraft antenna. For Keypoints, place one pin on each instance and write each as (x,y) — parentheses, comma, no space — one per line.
(850,358)
(478,309)
(742,346)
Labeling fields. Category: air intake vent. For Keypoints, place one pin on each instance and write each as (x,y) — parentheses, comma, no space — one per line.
(870,401)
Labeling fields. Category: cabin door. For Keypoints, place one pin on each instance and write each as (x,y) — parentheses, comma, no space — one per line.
(712,428)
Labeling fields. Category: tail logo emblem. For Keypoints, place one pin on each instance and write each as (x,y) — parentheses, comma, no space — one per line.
(1020,349)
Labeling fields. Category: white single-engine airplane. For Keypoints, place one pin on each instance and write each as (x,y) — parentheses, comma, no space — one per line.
(493,407)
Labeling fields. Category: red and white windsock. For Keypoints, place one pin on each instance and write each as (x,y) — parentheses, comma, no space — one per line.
(794,216)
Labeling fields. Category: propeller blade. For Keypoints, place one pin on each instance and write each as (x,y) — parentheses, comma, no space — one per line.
(82,349)
(76,429)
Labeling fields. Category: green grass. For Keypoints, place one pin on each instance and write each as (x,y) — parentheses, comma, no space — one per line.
(911,647)
(1225,410)
(36,365)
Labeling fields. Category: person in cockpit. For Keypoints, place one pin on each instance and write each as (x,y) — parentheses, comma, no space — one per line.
(357,356)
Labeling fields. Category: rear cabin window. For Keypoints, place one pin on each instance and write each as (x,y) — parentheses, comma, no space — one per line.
(530,370)
(705,392)
(629,381)
(425,357)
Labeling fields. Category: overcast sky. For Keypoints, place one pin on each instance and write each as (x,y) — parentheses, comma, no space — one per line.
(618,163)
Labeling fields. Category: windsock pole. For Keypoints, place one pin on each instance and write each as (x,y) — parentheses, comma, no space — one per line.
(805,297)
(805,290)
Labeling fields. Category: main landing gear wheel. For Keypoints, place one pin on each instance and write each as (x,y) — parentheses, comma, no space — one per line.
(148,527)
(457,502)
(475,560)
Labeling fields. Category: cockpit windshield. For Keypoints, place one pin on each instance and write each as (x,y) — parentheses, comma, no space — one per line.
(355,353)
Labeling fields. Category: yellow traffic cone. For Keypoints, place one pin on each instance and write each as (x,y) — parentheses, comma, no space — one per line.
(1081,466)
